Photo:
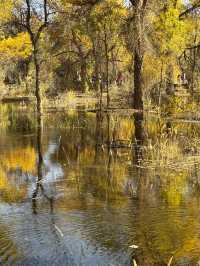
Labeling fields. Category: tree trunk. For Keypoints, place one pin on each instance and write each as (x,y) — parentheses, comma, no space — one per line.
(83,75)
(137,98)
(37,83)
(194,64)
(107,67)
(96,69)
(139,9)
(96,75)
(114,72)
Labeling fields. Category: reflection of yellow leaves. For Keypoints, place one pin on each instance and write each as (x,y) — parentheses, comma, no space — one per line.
(175,188)
(98,179)
(9,192)
(13,194)
(87,156)
(126,129)
(3,180)
(20,158)
(191,244)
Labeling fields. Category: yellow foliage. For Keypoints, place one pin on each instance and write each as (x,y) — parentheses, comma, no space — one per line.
(154,65)
(123,53)
(114,8)
(151,65)
(171,32)
(84,39)
(16,47)
(6,7)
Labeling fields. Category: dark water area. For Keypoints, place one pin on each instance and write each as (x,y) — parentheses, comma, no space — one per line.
(83,188)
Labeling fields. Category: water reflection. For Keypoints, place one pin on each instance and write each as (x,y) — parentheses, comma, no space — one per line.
(39,185)
(81,189)
(138,137)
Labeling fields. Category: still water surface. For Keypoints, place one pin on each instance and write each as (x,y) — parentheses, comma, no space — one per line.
(74,193)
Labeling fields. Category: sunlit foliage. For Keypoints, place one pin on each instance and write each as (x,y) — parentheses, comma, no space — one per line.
(6,7)
(16,47)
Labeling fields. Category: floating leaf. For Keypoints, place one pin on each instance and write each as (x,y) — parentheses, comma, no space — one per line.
(134,263)
(134,246)
(170,261)
(59,230)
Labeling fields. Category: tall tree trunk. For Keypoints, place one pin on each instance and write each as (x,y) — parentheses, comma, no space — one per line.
(107,66)
(101,90)
(96,74)
(35,36)
(138,95)
(83,75)
(37,82)
(114,72)
(96,68)
(139,9)
(194,63)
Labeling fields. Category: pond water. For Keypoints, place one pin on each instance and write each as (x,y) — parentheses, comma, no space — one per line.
(78,191)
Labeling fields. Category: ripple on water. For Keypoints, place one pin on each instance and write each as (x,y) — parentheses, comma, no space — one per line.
(35,239)
(8,249)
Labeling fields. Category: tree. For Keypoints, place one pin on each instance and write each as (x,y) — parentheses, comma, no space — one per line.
(169,39)
(107,19)
(89,37)
(15,44)
(33,17)
(139,8)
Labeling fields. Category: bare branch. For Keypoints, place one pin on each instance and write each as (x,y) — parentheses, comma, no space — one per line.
(193,47)
(189,10)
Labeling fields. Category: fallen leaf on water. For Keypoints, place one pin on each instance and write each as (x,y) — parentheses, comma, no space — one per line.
(133,246)
(134,263)
(59,231)
(170,261)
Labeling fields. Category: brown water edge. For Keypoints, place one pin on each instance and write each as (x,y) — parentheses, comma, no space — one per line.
(92,188)
(70,99)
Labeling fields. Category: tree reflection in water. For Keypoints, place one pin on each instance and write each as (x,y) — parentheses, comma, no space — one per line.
(138,136)
(39,185)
